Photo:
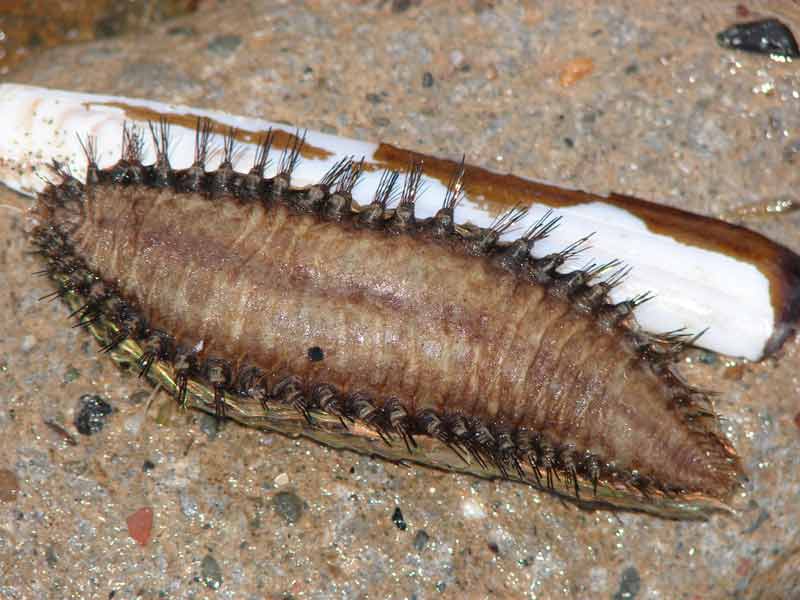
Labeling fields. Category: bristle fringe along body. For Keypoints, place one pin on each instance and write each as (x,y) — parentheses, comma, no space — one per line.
(370,328)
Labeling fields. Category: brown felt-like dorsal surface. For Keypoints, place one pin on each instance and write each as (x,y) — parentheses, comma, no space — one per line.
(416,328)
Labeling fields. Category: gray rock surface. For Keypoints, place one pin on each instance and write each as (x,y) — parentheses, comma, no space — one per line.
(665,114)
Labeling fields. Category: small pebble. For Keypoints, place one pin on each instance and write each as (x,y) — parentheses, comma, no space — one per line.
(281,480)
(315,354)
(51,557)
(797,420)
(288,505)
(28,343)
(148,465)
(9,485)
(224,45)
(398,520)
(421,540)
(71,374)
(211,572)
(629,585)
(188,504)
(140,525)
(92,413)
(427,79)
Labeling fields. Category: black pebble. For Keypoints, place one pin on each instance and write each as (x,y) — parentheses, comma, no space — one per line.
(398,520)
(315,354)
(92,413)
(148,465)
(427,79)
(768,36)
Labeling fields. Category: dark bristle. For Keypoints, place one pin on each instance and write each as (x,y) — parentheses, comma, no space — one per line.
(455,187)
(290,157)
(411,185)
(132,144)
(350,179)
(404,218)
(161,170)
(386,192)
(202,140)
(506,221)
(488,238)
(229,148)
(542,228)
(334,175)
(225,180)
(261,160)
(575,248)
(89,147)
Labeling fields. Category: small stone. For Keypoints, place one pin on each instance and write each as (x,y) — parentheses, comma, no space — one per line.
(427,79)
(148,465)
(224,45)
(575,70)
(188,504)
(71,374)
(315,354)
(140,525)
(797,420)
(281,480)
(9,485)
(441,586)
(381,121)
(398,520)
(28,343)
(51,557)
(399,6)
(629,585)
(421,540)
(767,36)
(374,98)
(288,505)
(92,413)
(211,572)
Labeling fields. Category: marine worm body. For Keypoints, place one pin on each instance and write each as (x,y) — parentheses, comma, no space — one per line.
(370,327)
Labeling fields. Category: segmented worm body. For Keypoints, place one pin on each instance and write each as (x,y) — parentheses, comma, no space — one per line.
(366,327)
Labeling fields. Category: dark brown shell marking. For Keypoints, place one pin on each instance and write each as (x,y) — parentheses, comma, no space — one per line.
(416,329)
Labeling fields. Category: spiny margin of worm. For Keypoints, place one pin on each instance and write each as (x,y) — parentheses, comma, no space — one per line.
(355,420)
